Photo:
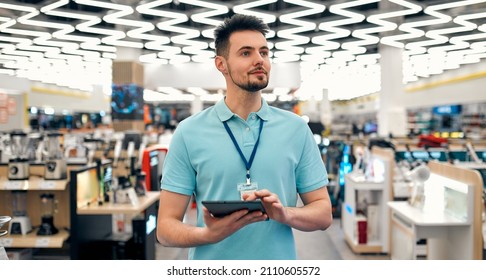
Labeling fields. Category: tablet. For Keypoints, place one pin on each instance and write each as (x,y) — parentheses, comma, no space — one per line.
(223,208)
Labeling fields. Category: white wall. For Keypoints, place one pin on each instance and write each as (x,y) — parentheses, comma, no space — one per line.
(459,86)
(71,100)
(206,75)
(59,98)
(452,87)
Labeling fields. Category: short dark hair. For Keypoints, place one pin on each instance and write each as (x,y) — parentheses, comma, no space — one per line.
(237,22)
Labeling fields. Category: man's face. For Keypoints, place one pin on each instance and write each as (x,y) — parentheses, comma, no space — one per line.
(248,63)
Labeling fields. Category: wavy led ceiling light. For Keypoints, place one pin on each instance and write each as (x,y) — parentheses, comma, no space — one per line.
(335,32)
(87,43)
(265,16)
(245,9)
(114,36)
(290,49)
(204,17)
(66,47)
(165,51)
(439,18)
(464,26)
(382,25)
(187,34)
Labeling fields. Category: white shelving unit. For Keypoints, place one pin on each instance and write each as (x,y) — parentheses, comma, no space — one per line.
(450,219)
(376,190)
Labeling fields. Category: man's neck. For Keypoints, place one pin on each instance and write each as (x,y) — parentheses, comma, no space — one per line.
(243,103)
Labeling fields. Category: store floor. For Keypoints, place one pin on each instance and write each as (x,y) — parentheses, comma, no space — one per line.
(318,245)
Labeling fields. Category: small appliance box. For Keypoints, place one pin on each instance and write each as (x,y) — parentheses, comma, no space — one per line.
(361,229)
(372,216)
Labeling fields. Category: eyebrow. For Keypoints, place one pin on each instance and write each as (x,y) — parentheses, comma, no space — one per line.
(252,48)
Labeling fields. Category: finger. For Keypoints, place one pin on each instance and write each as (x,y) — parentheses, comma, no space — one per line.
(271,199)
(249,196)
(262,193)
(237,214)
(256,216)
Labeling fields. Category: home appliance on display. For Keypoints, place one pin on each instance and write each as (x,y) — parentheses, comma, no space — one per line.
(48,208)
(18,164)
(3,221)
(56,165)
(20,223)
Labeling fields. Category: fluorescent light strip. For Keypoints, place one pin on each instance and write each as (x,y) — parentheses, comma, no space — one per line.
(383,26)
(302,26)
(114,36)
(245,10)
(203,17)
(457,44)
(336,32)
(440,18)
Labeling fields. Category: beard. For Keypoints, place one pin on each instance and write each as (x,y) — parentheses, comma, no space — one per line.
(250,86)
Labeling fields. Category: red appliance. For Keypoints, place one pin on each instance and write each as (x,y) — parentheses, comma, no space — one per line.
(152,160)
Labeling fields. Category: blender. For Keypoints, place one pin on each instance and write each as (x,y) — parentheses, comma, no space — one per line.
(20,223)
(56,165)
(48,208)
(18,164)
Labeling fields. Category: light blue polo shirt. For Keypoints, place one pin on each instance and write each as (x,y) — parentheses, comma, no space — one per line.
(202,160)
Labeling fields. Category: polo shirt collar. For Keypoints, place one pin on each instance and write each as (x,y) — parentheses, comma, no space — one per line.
(224,113)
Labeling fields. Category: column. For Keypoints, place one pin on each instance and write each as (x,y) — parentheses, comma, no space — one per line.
(127,104)
(196,104)
(391,113)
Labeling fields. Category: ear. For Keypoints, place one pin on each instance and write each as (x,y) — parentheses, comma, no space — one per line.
(220,63)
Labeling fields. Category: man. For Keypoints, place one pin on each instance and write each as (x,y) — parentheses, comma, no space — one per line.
(204,160)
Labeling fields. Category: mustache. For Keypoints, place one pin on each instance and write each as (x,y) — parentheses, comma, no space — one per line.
(258,69)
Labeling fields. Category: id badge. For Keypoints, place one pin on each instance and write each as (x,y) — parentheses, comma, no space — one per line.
(245,188)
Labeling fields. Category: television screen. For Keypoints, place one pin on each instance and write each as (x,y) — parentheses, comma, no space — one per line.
(127,102)
(370,127)
(88,186)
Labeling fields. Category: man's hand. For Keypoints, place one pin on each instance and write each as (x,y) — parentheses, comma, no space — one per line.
(274,208)
(218,229)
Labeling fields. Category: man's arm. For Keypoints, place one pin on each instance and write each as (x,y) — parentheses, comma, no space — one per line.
(171,231)
(316,214)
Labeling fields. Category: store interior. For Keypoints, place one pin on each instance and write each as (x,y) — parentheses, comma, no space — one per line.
(92,91)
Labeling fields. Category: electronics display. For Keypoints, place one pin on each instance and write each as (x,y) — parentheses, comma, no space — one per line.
(223,208)
(132,136)
(370,127)
(127,102)
(447,110)
(87,184)
(152,161)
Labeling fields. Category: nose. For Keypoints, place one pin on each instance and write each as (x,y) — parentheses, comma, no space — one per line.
(259,59)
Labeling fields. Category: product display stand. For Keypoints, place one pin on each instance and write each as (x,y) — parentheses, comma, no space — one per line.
(373,238)
(450,219)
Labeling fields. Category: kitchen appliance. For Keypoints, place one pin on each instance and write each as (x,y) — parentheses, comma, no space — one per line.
(18,164)
(20,223)
(48,208)
(56,165)
(4,220)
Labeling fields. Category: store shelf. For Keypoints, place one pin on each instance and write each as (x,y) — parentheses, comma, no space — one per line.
(32,240)
(361,183)
(369,247)
(120,208)
(34,183)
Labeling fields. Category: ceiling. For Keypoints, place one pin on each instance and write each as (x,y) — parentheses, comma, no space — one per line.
(58,41)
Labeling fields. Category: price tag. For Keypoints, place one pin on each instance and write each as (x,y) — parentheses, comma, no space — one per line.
(14,185)
(47,185)
(42,242)
(6,242)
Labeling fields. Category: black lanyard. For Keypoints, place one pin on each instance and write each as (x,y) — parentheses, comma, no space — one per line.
(247,163)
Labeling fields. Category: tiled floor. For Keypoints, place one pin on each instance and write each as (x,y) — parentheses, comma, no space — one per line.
(319,245)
